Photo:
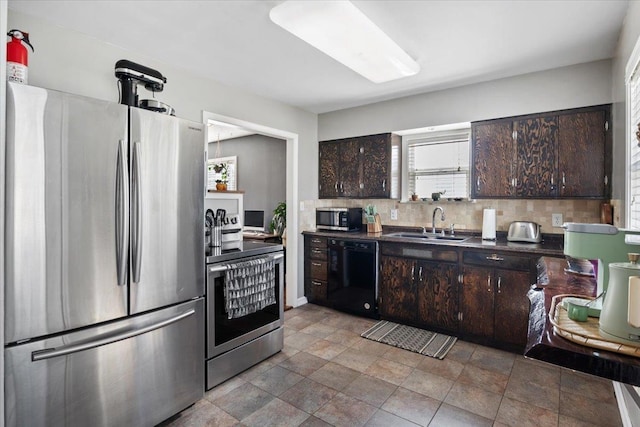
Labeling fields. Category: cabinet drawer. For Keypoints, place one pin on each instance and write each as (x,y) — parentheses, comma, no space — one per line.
(496,259)
(317,290)
(428,252)
(317,253)
(317,242)
(318,270)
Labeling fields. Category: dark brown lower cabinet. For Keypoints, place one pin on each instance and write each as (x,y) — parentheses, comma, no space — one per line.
(493,300)
(476,302)
(419,292)
(397,290)
(315,269)
(438,295)
(512,307)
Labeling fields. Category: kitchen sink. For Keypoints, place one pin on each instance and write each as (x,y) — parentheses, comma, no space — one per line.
(428,236)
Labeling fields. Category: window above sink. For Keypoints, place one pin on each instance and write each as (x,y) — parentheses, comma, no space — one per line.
(437,160)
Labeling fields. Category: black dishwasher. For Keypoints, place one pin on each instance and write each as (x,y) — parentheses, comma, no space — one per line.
(352,284)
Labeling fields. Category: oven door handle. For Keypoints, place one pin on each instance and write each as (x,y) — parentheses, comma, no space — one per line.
(218,268)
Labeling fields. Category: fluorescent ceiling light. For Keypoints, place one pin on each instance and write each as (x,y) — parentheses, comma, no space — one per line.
(340,30)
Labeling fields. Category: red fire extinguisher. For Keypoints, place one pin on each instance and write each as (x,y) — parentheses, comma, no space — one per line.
(18,57)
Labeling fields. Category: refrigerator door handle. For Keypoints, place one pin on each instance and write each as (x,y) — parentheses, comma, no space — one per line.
(136,226)
(110,339)
(122,213)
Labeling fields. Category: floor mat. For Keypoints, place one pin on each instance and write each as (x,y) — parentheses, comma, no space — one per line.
(409,338)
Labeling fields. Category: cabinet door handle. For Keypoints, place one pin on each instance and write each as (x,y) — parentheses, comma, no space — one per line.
(494,257)
(336,186)
(499,281)
(361,185)
(420,274)
(489,283)
(563,181)
(384,185)
(413,269)
(316,283)
(315,240)
(317,251)
(342,187)
(478,183)
(316,264)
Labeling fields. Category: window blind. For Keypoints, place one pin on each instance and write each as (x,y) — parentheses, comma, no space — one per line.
(439,162)
(634,152)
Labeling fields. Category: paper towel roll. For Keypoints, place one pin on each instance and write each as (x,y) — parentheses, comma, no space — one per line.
(489,224)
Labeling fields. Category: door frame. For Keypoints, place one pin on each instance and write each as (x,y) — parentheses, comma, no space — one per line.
(292,256)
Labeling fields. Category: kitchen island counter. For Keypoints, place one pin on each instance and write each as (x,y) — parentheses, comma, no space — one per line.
(543,344)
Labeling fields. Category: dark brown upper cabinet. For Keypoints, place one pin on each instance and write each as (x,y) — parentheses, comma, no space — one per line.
(492,145)
(583,155)
(536,154)
(362,167)
(560,154)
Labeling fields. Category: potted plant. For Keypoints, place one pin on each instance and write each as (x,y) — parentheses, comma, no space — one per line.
(221,168)
(436,196)
(279,221)
(414,196)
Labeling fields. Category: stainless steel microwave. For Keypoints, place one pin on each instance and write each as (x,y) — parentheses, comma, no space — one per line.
(339,219)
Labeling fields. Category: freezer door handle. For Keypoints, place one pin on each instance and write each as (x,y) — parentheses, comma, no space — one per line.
(122,213)
(105,340)
(136,225)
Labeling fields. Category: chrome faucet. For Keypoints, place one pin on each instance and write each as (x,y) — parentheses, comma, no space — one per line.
(433,220)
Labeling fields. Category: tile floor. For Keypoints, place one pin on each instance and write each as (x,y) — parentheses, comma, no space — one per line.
(328,375)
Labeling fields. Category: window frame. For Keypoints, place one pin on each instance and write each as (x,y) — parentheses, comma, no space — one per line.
(632,70)
(409,137)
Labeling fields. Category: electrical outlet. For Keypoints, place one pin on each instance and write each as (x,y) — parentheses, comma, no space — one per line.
(301,206)
(556,220)
(394,214)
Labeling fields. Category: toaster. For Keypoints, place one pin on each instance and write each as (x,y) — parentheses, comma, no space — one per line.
(524,231)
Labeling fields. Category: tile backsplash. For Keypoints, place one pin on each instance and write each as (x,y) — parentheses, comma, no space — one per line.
(466,215)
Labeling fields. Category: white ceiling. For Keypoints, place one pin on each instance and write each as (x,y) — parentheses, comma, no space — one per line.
(455,42)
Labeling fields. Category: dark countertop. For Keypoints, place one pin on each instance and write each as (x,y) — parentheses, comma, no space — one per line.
(246,249)
(543,344)
(552,245)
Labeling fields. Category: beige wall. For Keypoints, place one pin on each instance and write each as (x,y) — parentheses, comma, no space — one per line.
(561,88)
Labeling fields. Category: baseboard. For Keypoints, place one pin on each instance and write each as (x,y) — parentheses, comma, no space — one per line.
(301,301)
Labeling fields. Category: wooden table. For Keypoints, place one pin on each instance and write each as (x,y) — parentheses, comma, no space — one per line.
(543,344)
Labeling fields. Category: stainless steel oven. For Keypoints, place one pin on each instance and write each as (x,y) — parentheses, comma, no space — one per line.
(237,343)
(352,284)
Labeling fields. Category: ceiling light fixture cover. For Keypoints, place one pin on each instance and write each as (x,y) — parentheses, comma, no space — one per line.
(342,31)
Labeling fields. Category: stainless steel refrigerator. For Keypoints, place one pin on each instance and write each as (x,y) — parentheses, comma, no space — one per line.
(104,262)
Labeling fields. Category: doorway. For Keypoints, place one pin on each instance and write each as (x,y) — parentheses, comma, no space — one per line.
(291,140)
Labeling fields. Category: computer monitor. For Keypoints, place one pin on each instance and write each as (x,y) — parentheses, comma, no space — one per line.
(253,221)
